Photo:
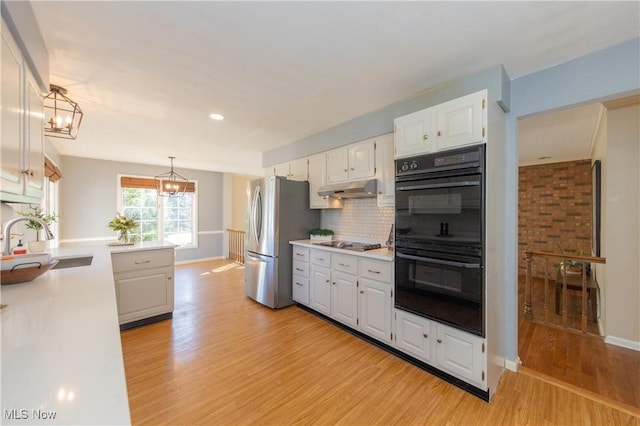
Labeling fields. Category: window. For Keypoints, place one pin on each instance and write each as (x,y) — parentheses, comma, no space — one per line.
(170,219)
(50,201)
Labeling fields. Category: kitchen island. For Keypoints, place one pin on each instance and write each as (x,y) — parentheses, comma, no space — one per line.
(61,352)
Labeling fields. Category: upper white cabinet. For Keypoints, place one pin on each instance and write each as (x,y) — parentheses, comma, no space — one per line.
(414,133)
(318,178)
(22,143)
(353,162)
(455,123)
(292,170)
(385,170)
(462,121)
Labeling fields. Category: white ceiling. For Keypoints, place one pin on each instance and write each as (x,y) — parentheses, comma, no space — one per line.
(148,74)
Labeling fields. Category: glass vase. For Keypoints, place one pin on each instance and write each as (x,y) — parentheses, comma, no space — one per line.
(123,237)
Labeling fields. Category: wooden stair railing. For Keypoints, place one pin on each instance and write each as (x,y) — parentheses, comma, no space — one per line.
(557,258)
(236,245)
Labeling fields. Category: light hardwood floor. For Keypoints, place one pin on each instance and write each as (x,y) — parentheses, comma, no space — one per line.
(224,359)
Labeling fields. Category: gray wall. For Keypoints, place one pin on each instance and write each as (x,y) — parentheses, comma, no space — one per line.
(88,201)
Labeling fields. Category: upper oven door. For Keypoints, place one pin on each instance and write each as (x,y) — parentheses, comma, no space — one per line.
(445,210)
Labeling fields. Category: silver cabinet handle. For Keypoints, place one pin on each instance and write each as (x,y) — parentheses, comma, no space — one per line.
(299,254)
(345,265)
(301,285)
(140,262)
(299,269)
(372,271)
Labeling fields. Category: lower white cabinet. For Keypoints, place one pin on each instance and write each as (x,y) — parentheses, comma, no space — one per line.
(320,289)
(144,283)
(375,309)
(344,298)
(453,351)
(461,354)
(414,335)
(300,276)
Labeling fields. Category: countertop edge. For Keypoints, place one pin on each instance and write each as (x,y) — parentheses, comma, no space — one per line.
(379,254)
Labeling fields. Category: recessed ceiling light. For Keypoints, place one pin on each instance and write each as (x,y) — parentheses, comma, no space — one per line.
(217,116)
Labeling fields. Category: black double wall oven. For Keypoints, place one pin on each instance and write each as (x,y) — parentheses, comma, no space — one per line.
(439,222)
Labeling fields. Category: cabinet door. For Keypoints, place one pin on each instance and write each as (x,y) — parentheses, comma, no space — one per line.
(344,298)
(362,159)
(12,107)
(144,294)
(320,295)
(413,133)
(374,311)
(385,170)
(461,354)
(298,170)
(281,169)
(461,121)
(413,335)
(317,178)
(337,165)
(34,146)
(300,290)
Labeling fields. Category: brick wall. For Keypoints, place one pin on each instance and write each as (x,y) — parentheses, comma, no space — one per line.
(554,208)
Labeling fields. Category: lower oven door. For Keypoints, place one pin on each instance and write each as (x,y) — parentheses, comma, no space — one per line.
(447,288)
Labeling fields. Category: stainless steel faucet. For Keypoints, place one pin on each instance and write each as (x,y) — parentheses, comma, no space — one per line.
(6,229)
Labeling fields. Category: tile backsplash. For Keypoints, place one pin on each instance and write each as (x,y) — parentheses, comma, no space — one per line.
(359,217)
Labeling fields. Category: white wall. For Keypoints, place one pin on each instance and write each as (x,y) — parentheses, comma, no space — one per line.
(622,237)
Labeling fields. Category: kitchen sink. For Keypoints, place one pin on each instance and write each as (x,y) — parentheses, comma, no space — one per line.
(73,261)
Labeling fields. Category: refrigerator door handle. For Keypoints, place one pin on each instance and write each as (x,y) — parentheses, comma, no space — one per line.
(256,213)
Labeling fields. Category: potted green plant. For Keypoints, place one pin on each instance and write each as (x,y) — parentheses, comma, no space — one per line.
(319,234)
(37,246)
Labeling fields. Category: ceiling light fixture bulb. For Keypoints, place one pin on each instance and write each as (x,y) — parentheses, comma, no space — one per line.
(218,117)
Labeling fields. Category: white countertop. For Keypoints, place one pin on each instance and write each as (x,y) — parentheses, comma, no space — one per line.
(61,351)
(382,253)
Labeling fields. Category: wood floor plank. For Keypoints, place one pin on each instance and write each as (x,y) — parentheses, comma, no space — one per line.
(224,359)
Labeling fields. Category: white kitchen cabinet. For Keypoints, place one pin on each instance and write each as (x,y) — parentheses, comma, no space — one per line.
(461,354)
(414,133)
(413,335)
(375,298)
(385,170)
(462,121)
(292,170)
(144,283)
(22,144)
(300,276)
(459,122)
(344,291)
(320,289)
(353,162)
(449,349)
(317,178)
(344,298)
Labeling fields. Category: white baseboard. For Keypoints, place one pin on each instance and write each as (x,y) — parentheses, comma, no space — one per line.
(625,343)
(202,259)
(511,364)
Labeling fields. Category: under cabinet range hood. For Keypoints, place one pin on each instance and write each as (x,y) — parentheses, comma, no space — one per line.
(358,189)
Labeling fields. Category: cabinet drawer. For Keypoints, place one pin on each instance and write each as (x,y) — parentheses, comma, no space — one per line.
(144,259)
(301,253)
(300,290)
(348,264)
(300,268)
(378,270)
(321,258)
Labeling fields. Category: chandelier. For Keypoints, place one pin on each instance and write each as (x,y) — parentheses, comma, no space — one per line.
(171,184)
(62,115)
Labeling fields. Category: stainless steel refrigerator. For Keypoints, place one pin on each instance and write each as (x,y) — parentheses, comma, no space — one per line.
(278,212)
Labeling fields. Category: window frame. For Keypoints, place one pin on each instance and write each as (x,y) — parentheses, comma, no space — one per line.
(160,207)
